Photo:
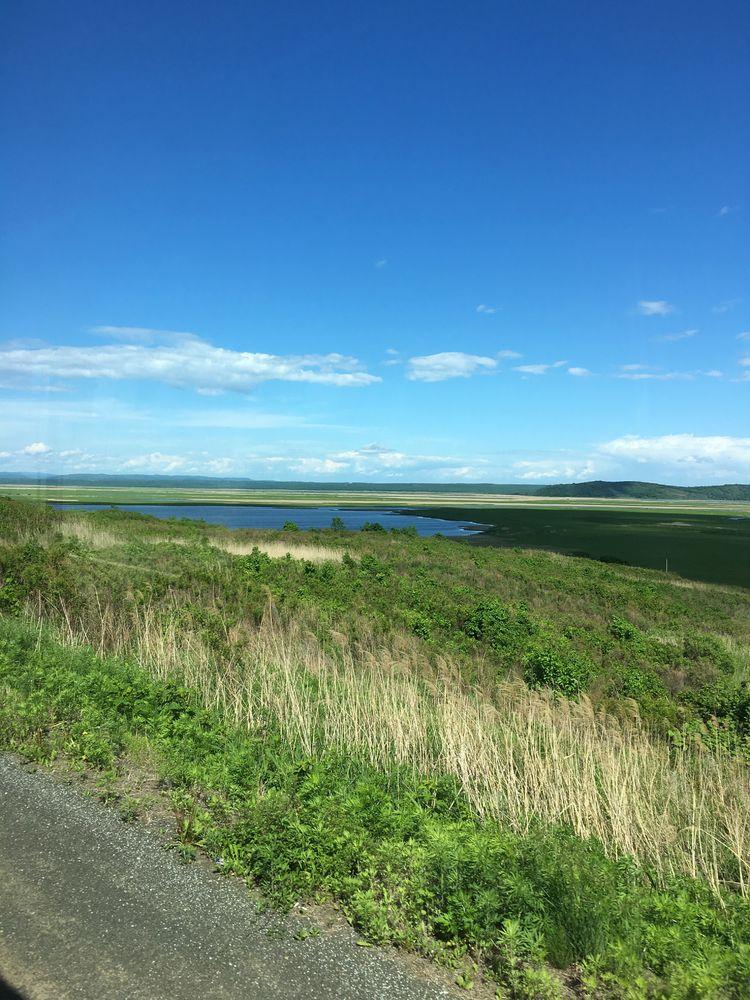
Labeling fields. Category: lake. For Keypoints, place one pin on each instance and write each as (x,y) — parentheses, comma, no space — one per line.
(243,516)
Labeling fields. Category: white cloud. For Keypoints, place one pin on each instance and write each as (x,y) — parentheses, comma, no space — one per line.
(532,369)
(713,373)
(727,210)
(30,387)
(381,263)
(724,307)
(139,334)
(184,361)
(509,354)
(36,448)
(555,469)
(316,466)
(539,369)
(374,460)
(486,310)
(220,466)
(195,463)
(239,419)
(579,372)
(641,373)
(672,338)
(462,472)
(717,454)
(654,376)
(449,364)
(654,307)
(373,454)
(155,462)
(376,456)
(745,335)
(370,461)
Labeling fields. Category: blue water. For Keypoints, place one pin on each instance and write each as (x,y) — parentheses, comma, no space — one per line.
(240,516)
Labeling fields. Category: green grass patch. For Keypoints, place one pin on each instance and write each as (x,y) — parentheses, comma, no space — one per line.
(699,546)
(404,856)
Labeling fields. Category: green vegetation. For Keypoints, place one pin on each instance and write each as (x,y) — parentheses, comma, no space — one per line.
(171,483)
(175,490)
(596,489)
(534,763)
(700,546)
(646,491)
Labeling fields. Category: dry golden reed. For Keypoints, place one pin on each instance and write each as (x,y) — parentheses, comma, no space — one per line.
(523,758)
(90,534)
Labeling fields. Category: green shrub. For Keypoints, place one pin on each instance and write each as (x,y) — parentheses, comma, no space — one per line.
(623,630)
(638,683)
(11,594)
(702,646)
(562,670)
(502,629)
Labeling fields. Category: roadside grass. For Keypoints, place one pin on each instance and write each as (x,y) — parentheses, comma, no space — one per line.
(405,855)
(494,755)
(530,757)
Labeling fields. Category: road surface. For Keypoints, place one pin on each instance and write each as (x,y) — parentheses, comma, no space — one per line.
(94,908)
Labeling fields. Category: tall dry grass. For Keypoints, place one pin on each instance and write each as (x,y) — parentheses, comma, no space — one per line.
(523,759)
(91,534)
(278,550)
(88,533)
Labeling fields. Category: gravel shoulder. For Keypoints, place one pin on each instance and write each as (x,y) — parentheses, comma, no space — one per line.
(93,907)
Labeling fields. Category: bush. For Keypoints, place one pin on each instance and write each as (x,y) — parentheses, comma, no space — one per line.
(637,683)
(562,670)
(623,630)
(702,646)
(496,625)
(727,699)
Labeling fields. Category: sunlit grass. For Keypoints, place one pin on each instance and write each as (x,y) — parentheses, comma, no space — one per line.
(527,758)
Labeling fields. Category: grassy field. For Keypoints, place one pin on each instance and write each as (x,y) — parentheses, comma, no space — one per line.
(528,766)
(699,541)
(697,546)
(346,498)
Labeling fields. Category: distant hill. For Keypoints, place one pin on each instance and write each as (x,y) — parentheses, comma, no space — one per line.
(598,488)
(213,482)
(646,491)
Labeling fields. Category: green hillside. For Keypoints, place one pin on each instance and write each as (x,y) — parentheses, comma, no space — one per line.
(633,490)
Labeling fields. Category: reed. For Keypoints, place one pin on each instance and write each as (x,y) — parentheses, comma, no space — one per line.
(524,758)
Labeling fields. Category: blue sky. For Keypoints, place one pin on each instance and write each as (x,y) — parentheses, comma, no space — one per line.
(418,241)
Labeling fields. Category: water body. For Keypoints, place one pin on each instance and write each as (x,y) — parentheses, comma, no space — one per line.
(241,516)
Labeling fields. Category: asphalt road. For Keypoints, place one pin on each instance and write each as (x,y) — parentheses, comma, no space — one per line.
(93,908)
